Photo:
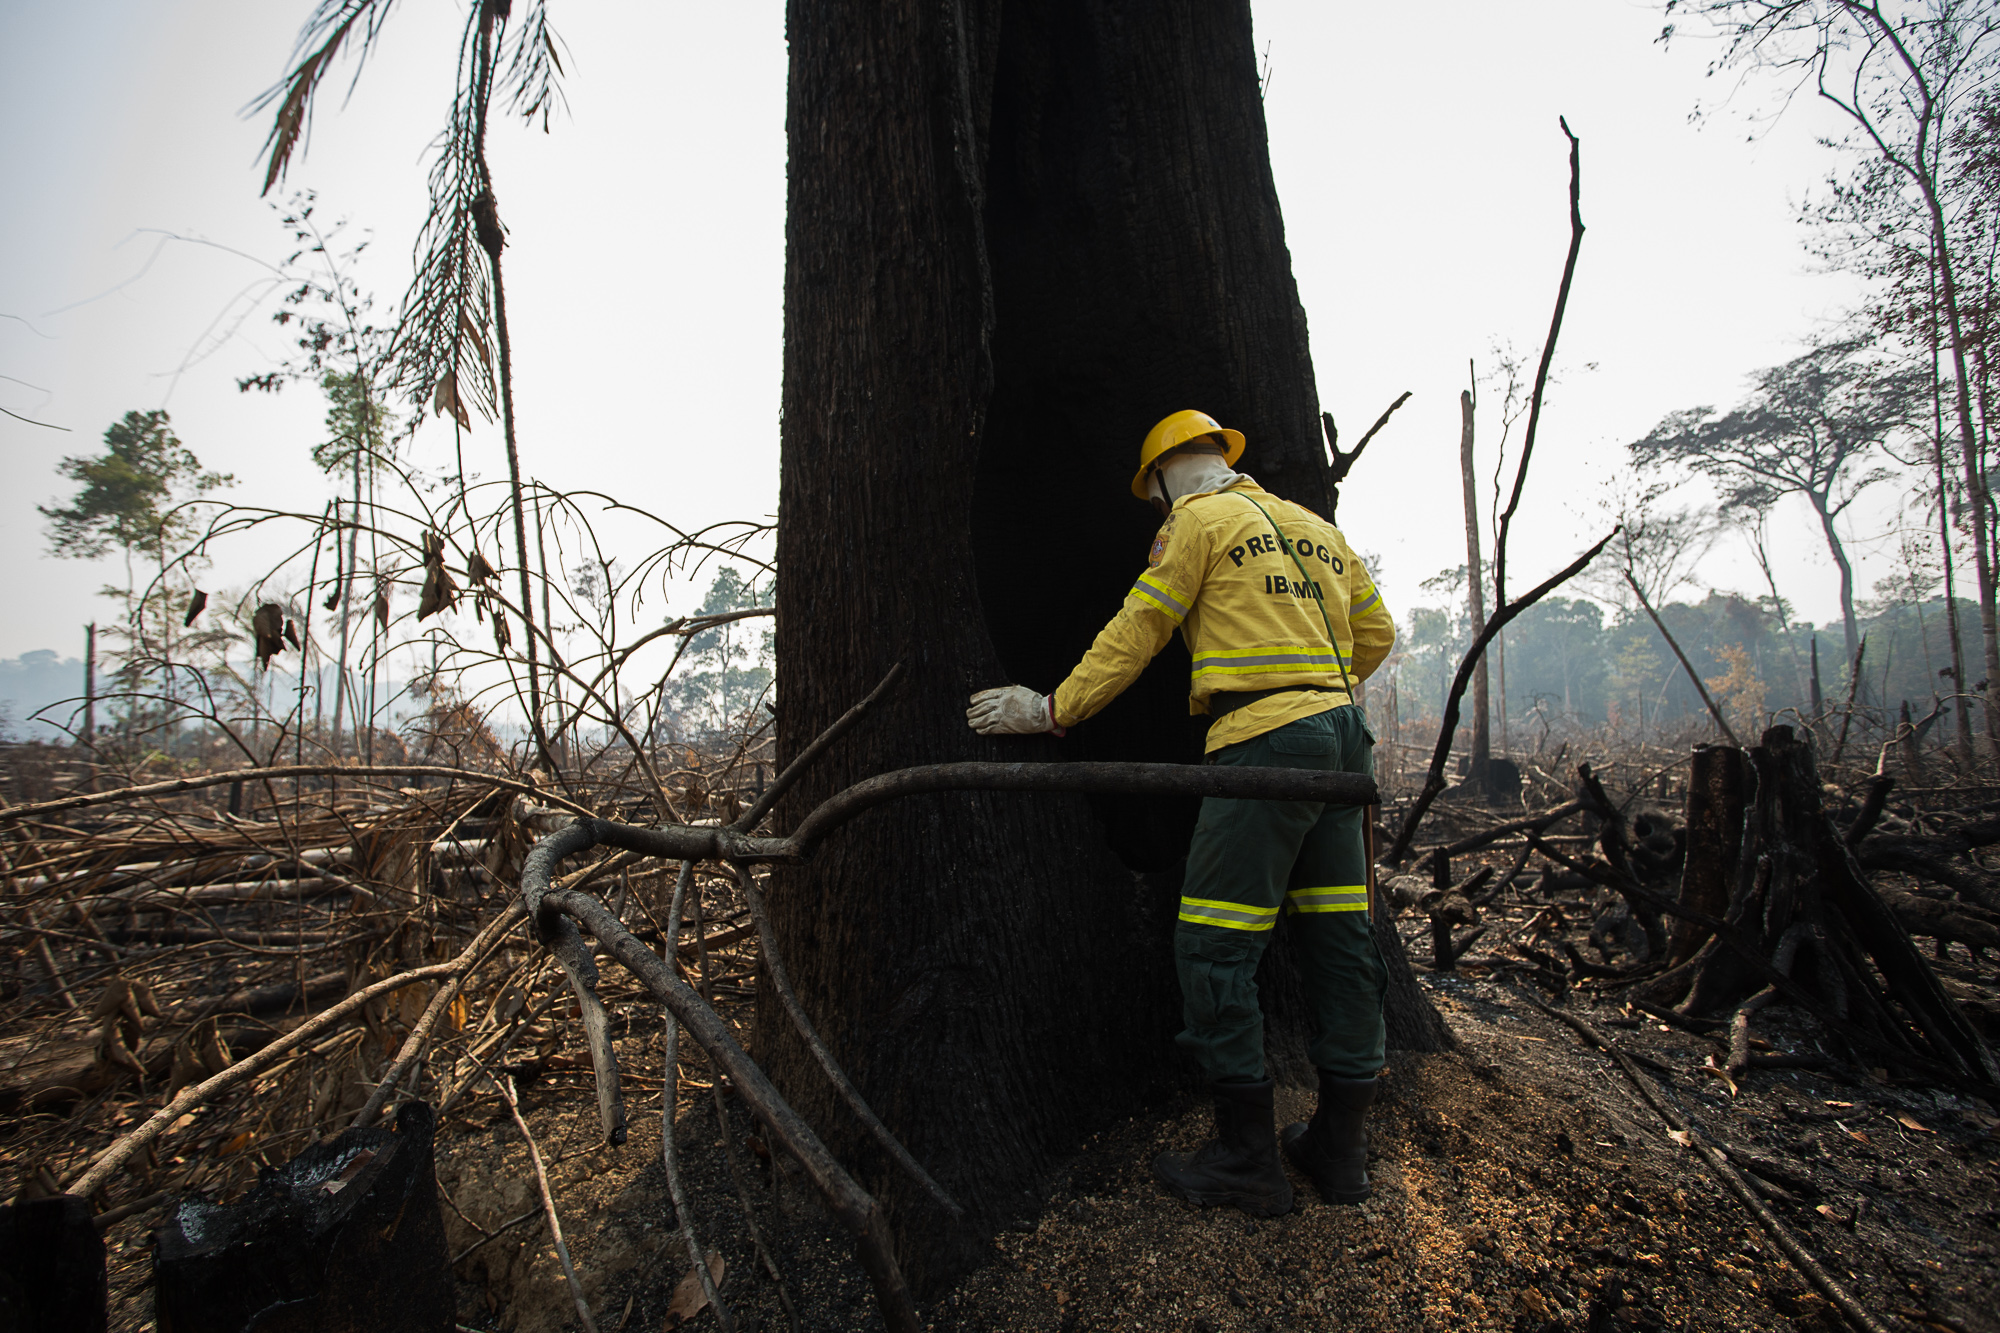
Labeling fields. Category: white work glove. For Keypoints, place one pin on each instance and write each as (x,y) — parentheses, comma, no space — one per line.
(1012,710)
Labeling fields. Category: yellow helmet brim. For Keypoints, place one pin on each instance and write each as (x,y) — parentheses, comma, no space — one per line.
(1232,449)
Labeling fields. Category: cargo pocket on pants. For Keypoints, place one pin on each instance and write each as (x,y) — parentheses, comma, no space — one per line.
(1216,979)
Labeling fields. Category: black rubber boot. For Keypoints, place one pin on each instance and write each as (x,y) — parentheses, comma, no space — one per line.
(1240,1167)
(1333,1149)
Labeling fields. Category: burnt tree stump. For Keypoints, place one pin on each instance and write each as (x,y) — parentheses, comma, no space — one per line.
(1802,919)
(51,1268)
(1717,786)
(344,1238)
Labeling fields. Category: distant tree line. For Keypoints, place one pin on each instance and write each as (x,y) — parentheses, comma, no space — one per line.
(1574,665)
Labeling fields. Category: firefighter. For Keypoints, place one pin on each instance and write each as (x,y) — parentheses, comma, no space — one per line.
(1282,621)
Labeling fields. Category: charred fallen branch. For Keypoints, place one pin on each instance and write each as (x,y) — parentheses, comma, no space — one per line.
(1536,823)
(61,1074)
(178,786)
(1858,1315)
(856,1209)
(700,843)
(1926,858)
(557,913)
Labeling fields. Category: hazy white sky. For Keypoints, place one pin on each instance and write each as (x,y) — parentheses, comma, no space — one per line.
(1420,167)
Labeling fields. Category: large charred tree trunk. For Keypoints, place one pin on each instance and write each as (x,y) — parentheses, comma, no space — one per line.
(1018,234)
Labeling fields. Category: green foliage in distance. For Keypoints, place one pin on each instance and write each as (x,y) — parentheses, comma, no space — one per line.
(355,421)
(132,496)
(725,670)
(1573,666)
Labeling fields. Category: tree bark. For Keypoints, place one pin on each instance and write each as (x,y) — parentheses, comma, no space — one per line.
(1818,700)
(343,685)
(1962,706)
(1019,232)
(1718,785)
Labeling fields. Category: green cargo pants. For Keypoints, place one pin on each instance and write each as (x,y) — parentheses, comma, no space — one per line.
(1249,859)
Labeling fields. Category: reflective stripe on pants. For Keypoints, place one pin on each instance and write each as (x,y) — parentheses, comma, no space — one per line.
(1332,898)
(1230,916)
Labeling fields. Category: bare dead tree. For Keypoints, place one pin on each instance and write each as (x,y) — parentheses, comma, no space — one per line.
(1506,611)
(1542,369)
(1434,779)
(1340,464)
(1475,586)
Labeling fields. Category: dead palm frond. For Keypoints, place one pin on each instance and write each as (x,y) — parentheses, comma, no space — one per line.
(534,68)
(326,31)
(444,352)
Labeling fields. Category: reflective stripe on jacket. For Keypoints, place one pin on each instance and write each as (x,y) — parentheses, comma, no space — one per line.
(1251,621)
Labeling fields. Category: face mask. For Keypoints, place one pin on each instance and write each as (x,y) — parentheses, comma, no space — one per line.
(1191,474)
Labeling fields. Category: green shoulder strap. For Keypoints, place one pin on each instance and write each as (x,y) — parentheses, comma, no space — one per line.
(1333,640)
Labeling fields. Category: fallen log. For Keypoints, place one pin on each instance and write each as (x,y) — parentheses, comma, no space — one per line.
(261,939)
(49,1077)
(1923,858)
(108,1162)
(165,873)
(1537,823)
(1942,919)
(248,891)
(178,786)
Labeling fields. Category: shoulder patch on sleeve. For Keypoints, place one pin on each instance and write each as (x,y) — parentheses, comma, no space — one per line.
(1159,551)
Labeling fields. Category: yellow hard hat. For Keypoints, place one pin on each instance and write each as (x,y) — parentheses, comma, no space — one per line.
(1177,430)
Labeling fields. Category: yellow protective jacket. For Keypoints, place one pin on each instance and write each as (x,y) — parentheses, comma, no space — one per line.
(1252,622)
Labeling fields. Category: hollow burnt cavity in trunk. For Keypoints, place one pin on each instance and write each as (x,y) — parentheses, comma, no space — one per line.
(1018,235)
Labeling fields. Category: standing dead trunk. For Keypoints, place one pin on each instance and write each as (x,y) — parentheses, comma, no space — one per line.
(1475,583)
(1818,698)
(1969,452)
(343,685)
(90,686)
(1906,743)
(1016,232)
